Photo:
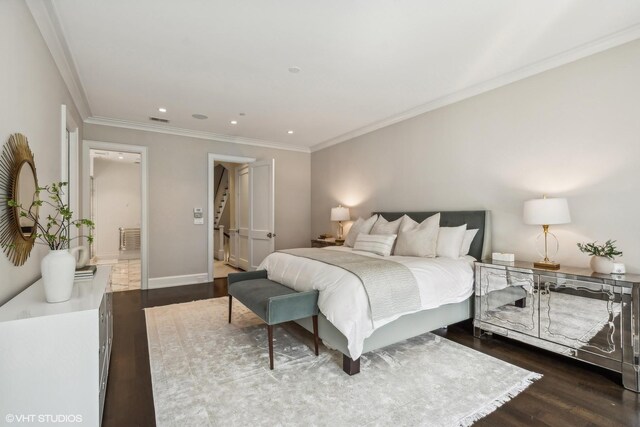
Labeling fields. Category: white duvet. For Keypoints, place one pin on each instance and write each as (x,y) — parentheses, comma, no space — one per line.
(344,301)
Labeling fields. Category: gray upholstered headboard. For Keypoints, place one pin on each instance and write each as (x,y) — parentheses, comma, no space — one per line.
(481,245)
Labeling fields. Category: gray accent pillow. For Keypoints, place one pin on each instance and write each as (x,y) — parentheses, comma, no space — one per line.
(418,239)
(382,226)
(419,242)
(360,226)
(409,224)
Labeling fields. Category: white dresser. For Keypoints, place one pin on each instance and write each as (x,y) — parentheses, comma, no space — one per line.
(54,358)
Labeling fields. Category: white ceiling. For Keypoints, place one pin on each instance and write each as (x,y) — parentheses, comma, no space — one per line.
(364,64)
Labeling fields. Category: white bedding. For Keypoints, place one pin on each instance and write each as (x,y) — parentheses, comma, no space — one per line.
(344,301)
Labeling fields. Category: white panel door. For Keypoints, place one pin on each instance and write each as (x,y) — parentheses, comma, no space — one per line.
(261,211)
(243,208)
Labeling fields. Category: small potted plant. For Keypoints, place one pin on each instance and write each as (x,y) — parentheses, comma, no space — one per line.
(602,256)
(58,266)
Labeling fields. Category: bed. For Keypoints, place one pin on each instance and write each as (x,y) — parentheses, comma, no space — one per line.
(343,324)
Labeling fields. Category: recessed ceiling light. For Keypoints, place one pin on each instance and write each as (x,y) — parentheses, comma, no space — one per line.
(120,156)
(294,70)
(289,132)
(234,122)
(162,110)
(199,116)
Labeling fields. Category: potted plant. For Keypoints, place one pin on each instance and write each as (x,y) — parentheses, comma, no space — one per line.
(58,266)
(602,256)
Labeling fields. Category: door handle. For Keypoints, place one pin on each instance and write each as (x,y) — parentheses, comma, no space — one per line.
(270,234)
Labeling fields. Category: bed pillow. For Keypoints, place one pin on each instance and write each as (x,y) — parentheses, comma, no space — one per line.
(360,226)
(379,244)
(450,241)
(409,224)
(419,242)
(466,242)
(382,226)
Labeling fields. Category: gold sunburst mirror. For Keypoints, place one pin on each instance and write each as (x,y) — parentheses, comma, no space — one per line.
(18,182)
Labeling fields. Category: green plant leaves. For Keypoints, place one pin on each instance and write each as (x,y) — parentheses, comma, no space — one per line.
(54,232)
(607,250)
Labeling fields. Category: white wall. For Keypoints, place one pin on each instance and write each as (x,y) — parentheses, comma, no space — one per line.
(178,183)
(572,132)
(32,92)
(118,203)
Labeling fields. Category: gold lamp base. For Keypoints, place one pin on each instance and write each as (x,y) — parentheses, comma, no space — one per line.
(548,265)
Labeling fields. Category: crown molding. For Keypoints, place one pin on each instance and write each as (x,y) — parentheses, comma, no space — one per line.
(46,19)
(170,130)
(582,51)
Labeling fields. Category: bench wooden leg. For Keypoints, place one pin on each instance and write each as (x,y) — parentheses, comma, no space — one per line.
(316,339)
(270,334)
(230,301)
(350,366)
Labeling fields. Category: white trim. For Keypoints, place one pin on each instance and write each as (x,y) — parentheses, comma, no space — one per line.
(211,158)
(69,167)
(211,136)
(64,147)
(169,281)
(144,171)
(587,49)
(107,256)
(46,18)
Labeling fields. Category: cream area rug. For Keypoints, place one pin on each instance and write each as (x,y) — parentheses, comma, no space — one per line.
(207,372)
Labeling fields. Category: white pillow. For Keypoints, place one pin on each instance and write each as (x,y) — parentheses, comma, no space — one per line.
(450,241)
(379,244)
(409,224)
(418,242)
(360,226)
(466,242)
(382,226)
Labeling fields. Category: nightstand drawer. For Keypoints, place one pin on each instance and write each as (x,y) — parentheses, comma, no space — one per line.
(507,299)
(582,315)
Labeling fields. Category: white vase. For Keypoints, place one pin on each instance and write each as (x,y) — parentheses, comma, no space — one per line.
(601,264)
(58,270)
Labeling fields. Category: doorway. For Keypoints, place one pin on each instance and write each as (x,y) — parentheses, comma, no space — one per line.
(115,199)
(230,213)
(252,235)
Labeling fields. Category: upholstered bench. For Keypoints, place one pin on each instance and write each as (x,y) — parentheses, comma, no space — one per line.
(272,302)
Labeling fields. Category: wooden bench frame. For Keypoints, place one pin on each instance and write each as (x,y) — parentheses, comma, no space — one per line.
(273,302)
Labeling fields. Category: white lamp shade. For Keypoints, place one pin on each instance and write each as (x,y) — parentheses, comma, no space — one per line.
(340,214)
(546,211)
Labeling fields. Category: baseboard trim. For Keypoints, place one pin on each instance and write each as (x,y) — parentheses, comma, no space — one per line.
(107,255)
(169,281)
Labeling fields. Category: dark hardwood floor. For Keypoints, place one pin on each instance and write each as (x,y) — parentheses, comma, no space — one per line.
(571,393)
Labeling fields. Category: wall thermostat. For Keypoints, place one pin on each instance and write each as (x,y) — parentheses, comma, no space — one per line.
(198,217)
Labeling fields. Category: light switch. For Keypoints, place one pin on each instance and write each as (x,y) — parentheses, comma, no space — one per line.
(198,217)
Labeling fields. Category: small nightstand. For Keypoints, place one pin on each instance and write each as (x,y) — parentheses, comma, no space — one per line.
(321,243)
(571,311)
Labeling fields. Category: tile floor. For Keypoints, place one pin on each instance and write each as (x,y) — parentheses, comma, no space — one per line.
(125,275)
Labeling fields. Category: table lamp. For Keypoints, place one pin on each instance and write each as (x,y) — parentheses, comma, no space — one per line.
(547,212)
(340,214)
